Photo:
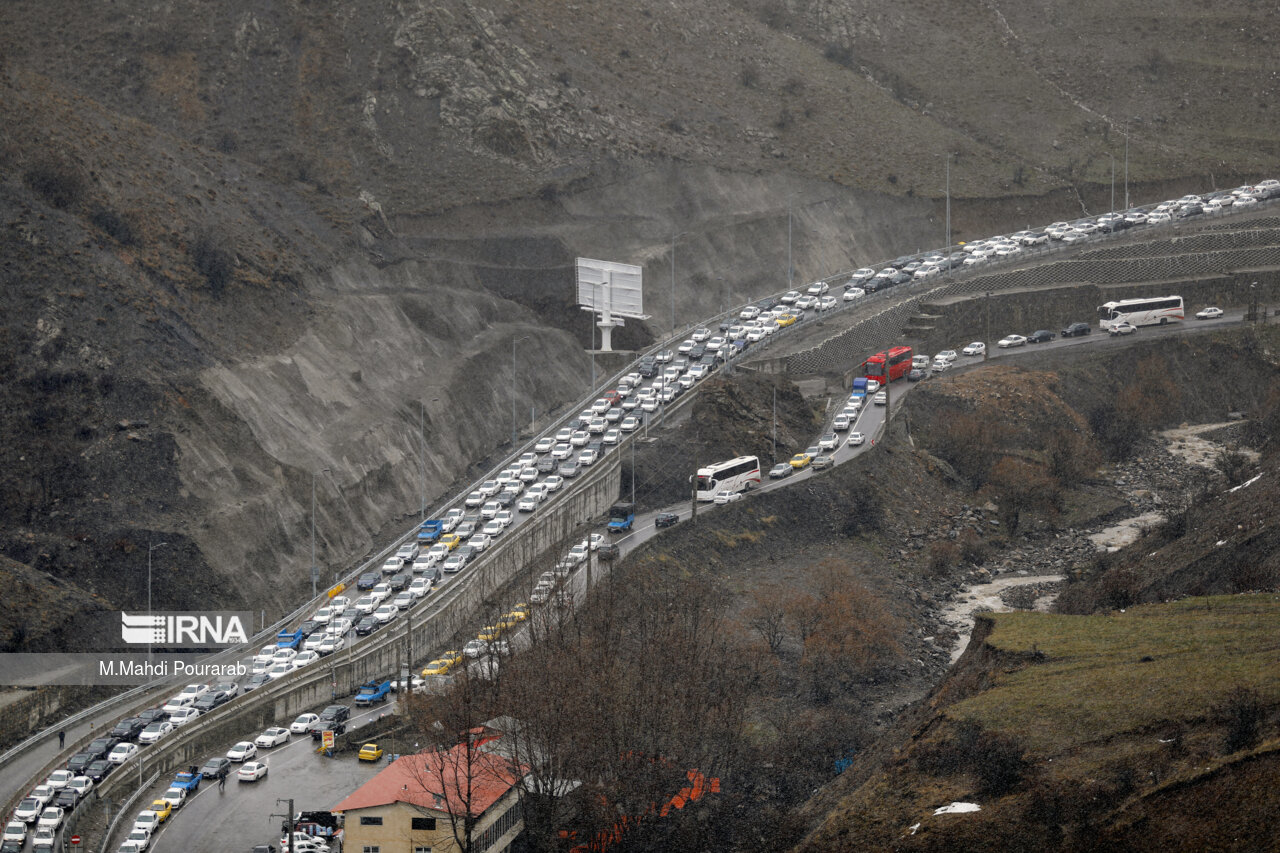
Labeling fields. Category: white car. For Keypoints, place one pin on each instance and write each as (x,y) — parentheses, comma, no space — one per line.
(28,809)
(44,839)
(51,817)
(82,785)
(749,313)
(479,541)
(330,644)
(881,398)
(947,355)
(182,716)
(242,751)
(280,670)
(195,691)
(588,457)
(367,603)
(554,482)
(387,612)
(629,424)
(305,657)
(842,422)
(1122,329)
(856,438)
(726,496)
(818,288)
(1011,341)
(975,348)
(299,726)
(1209,314)
(873,385)
(826,303)
(175,797)
(561,451)
(252,771)
(853,293)
(154,731)
(580,438)
(147,820)
(939,365)
(544,445)
(58,779)
(700,334)
(828,441)
(528,503)
(274,736)
(15,830)
(122,752)
(612,436)
(420,587)
(43,793)
(139,839)
(284,655)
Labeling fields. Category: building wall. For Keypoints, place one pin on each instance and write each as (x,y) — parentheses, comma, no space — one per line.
(395,834)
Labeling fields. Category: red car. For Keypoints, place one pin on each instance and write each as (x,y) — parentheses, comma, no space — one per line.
(613,397)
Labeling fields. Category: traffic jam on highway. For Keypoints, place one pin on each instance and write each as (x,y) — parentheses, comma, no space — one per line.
(442,547)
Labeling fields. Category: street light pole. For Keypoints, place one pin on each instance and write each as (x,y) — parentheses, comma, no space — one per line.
(950,265)
(790,267)
(422,457)
(515,341)
(775,424)
(315,570)
(673,282)
(1126,169)
(150,548)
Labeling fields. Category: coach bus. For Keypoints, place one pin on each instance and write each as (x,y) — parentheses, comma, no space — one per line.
(1140,312)
(736,475)
(885,367)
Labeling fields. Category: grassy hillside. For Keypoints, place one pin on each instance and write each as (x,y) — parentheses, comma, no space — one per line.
(1077,732)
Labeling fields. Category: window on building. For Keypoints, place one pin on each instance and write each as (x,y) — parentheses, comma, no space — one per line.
(425,823)
(371,821)
(422,850)
(371,848)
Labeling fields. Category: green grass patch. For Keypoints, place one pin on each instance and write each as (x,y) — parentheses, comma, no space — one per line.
(1093,679)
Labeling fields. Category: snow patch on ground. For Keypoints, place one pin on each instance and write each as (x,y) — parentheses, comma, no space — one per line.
(958,808)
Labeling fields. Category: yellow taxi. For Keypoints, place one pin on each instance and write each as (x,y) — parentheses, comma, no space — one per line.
(370,752)
(162,808)
(522,609)
(801,460)
(508,621)
(489,633)
(786,319)
(437,667)
(453,656)
(453,540)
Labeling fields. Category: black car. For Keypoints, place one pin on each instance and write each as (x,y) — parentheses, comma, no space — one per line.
(99,770)
(332,718)
(400,582)
(308,628)
(216,768)
(916,375)
(211,700)
(99,747)
(1040,336)
(665,519)
(1076,329)
(608,551)
(11,847)
(255,681)
(569,469)
(128,729)
(698,351)
(505,498)
(150,715)
(65,799)
(351,614)
(547,465)
(366,625)
(900,277)
(647,366)
(368,580)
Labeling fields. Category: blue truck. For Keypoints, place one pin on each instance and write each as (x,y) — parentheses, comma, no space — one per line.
(429,531)
(621,517)
(859,387)
(287,639)
(188,780)
(373,691)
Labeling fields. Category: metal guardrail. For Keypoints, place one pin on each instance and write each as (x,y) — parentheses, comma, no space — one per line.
(125,808)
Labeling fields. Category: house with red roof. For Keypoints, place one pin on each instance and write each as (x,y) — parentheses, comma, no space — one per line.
(434,802)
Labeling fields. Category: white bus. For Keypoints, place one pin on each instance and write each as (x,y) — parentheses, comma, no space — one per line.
(1140,312)
(736,475)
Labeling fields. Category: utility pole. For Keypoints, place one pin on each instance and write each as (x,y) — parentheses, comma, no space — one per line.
(288,821)
(789,265)
(1113,183)
(775,424)
(1126,168)
(987,348)
(673,281)
(422,456)
(633,471)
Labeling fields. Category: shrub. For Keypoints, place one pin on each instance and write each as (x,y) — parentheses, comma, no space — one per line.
(1232,464)
(943,555)
(1243,713)
(116,226)
(56,181)
(972,548)
(839,54)
(749,76)
(215,263)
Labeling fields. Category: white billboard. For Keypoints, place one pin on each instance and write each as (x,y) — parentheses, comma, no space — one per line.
(610,289)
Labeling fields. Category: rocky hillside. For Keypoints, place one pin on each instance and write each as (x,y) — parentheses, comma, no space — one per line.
(251,248)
